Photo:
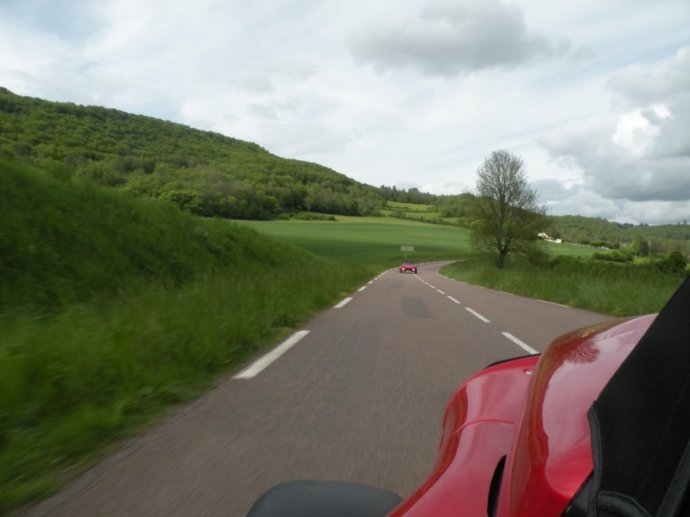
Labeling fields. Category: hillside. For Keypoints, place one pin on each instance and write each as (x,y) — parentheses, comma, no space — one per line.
(597,231)
(206,173)
(64,242)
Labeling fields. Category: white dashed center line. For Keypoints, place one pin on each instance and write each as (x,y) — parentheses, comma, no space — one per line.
(477,315)
(519,343)
(481,317)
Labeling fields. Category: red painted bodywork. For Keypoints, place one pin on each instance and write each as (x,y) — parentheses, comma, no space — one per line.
(532,412)
(408,266)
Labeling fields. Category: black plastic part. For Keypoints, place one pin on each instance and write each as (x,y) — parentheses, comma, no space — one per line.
(578,506)
(495,488)
(309,498)
(501,361)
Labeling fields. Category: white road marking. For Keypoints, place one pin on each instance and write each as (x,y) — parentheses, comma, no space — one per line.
(477,315)
(264,362)
(454,300)
(440,291)
(519,343)
(361,289)
(554,303)
(343,303)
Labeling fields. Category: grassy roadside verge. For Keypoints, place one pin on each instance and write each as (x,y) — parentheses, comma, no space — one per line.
(73,382)
(605,288)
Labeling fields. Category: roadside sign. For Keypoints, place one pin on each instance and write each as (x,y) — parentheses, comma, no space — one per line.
(406,249)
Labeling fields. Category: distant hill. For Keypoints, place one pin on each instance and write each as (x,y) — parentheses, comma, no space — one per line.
(204,172)
(600,232)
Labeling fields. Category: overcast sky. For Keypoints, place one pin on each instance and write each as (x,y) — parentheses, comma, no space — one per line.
(594,95)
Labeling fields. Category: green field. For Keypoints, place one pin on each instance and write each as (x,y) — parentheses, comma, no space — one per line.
(370,240)
(412,207)
(377,240)
(570,250)
(415,212)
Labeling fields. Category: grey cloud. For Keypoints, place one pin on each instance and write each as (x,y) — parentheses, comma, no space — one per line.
(560,200)
(644,155)
(550,191)
(645,85)
(274,109)
(450,38)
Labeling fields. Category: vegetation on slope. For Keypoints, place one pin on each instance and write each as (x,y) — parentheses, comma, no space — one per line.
(113,308)
(203,172)
(642,239)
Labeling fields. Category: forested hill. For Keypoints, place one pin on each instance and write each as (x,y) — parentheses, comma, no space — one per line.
(204,172)
(600,232)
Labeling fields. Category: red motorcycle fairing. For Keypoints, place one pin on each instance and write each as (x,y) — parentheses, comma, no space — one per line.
(531,415)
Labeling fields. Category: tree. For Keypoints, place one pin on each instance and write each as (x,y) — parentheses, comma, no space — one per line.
(507,217)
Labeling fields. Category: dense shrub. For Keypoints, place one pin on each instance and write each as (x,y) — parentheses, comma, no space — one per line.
(614,256)
(676,264)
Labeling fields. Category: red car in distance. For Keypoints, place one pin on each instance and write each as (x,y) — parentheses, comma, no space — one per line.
(597,426)
(408,266)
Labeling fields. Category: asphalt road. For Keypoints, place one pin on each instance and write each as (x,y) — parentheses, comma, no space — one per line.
(359,398)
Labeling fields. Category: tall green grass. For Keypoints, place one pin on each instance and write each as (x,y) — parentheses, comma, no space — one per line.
(619,290)
(64,241)
(71,382)
(114,308)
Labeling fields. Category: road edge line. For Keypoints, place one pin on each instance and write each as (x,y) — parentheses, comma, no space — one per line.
(264,362)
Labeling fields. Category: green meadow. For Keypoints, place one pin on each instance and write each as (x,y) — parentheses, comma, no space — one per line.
(378,240)
(370,240)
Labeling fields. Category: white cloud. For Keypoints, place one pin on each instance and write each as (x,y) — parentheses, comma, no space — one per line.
(643,153)
(638,130)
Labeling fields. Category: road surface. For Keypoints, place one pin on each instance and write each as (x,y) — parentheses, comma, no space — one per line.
(358,395)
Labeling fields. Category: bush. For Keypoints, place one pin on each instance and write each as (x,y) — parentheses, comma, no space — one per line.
(312,216)
(615,256)
(675,264)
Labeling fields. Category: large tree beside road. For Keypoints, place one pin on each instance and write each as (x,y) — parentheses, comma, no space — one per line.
(507,215)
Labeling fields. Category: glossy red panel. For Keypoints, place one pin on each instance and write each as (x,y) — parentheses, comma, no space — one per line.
(551,456)
(533,411)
